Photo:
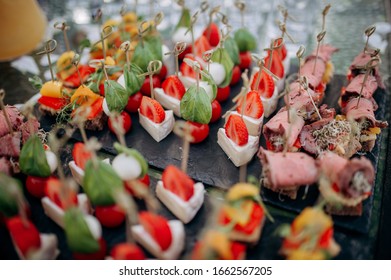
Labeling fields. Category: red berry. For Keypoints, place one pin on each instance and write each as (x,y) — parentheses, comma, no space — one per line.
(277,67)
(163,73)
(80,154)
(178,182)
(253,107)
(126,122)
(53,190)
(134,102)
(173,87)
(266,84)
(236,130)
(152,109)
(212,33)
(216,111)
(158,227)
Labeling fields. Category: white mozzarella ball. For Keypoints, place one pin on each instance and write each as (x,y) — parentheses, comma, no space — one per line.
(217,71)
(127,167)
(105,107)
(52,160)
(94,226)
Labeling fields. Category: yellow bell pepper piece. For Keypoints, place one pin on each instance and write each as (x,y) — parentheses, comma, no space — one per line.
(52,89)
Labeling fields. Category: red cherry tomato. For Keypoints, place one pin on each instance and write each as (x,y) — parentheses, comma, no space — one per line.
(146,89)
(236,73)
(163,73)
(199,131)
(126,122)
(99,255)
(245,60)
(134,102)
(146,180)
(110,216)
(36,185)
(223,93)
(216,111)
(24,233)
(102,89)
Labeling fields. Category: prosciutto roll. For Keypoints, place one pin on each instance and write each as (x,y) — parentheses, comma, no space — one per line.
(345,182)
(285,173)
(354,88)
(358,67)
(278,130)
(299,99)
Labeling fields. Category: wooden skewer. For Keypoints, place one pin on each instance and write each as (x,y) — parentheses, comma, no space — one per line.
(304,82)
(299,54)
(241,5)
(319,39)
(324,14)
(368,68)
(128,205)
(125,47)
(50,46)
(212,12)
(154,67)
(178,49)
(274,45)
(117,123)
(191,30)
(197,68)
(75,62)
(207,56)
(368,32)
(64,27)
(183,130)
(241,94)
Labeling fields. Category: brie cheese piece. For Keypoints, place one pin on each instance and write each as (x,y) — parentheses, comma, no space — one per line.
(158,131)
(183,210)
(56,213)
(177,244)
(254,126)
(167,101)
(78,173)
(239,155)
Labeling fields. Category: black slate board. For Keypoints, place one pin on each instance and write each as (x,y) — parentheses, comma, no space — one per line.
(209,164)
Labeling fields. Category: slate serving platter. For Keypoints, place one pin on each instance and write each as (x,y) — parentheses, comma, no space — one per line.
(209,164)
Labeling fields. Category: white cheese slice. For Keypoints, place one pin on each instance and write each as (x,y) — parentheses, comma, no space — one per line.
(183,210)
(239,155)
(158,131)
(167,101)
(146,240)
(254,126)
(56,213)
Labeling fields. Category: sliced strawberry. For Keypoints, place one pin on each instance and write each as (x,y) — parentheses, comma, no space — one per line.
(127,251)
(335,187)
(25,235)
(96,108)
(212,33)
(158,227)
(277,68)
(186,70)
(152,109)
(173,87)
(236,130)
(53,191)
(80,154)
(178,182)
(297,143)
(266,84)
(202,45)
(282,51)
(253,107)
(236,73)
(187,51)
(53,102)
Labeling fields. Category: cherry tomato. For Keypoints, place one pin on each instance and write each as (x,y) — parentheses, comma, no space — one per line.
(223,93)
(36,185)
(216,111)
(24,233)
(102,89)
(163,73)
(134,102)
(110,216)
(245,60)
(198,131)
(146,89)
(99,255)
(236,73)
(126,122)
(146,180)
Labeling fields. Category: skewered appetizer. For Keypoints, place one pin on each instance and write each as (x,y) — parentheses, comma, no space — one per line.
(162,238)
(310,237)
(345,184)
(286,172)
(180,194)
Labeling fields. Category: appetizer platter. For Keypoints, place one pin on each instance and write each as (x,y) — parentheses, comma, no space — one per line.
(136,149)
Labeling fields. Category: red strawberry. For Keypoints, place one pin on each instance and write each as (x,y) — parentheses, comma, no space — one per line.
(266,84)
(158,227)
(26,236)
(253,107)
(96,108)
(53,192)
(80,154)
(127,251)
(186,70)
(236,130)
(152,109)
(277,68)
(282,52)
(201,45)
(172,86)
(178,182)
(236,73)
(212,33)
(245,60)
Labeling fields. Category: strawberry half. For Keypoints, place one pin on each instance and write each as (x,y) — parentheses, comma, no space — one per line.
(158,227)
(277,68)
(173,87)
(80,154)
(152,109)
(253,107)
(266,84)
(178,182)
(202,45)
(186,70)
(53,192)
(236,130)
(212,33)
(26,236)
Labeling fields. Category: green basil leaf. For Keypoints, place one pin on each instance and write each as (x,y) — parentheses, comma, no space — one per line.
(232,49)
(195,105)
(116,96)
(133,80)
(85,43)
(155,44)
(100,182)
(94,80)
(221,56)
(32,159)
(36,82)
(8,194)
(245,40)
(133,153)
(78,234)
(209,79)
(185,20)
(113,70)
(143,55)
